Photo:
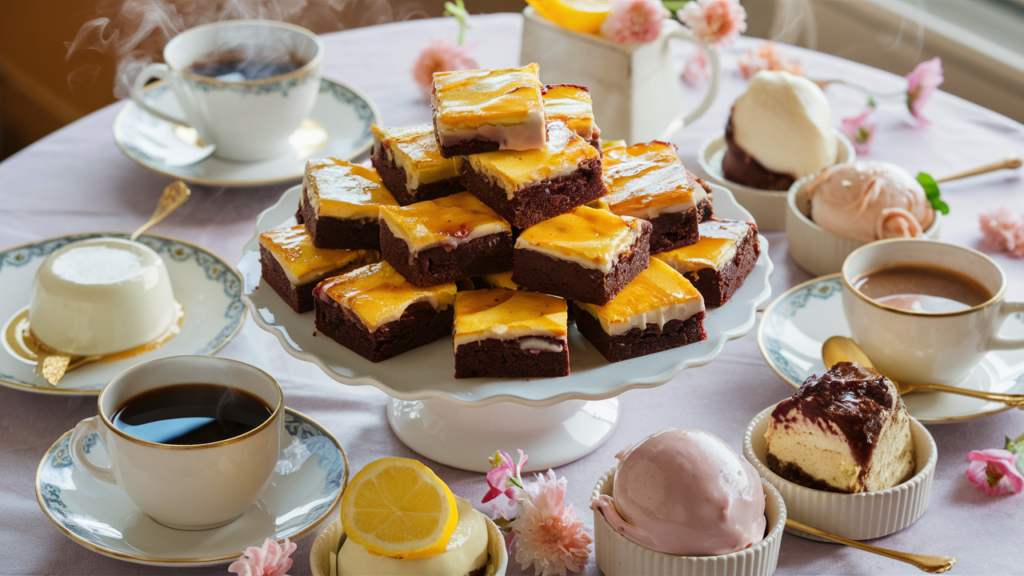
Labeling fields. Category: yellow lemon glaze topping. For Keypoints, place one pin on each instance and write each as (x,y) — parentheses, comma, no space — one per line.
(469,98)
(507,314)
(378,294)
(717,246)
(590,237)
(340,189)
(293,248)
(572,105)
(446,221)
(645,180)
(414,149)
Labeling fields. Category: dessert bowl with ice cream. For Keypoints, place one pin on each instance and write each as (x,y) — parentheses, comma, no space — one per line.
(832,213)
(682,501)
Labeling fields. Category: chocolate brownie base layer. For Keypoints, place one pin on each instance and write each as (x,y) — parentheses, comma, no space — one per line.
(540,201)
(717,286)
(335,233)
(300,298)
(493,358)
(639,342)
(678,229)
(420,324)
(477,145)
(542,273)
(742,168)
(478,257)
(396,181)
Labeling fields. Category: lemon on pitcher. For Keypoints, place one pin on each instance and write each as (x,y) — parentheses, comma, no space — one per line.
(577,15)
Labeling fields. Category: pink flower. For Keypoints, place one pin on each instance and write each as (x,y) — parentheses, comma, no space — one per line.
(859,131)
(925,78)
(695,71)
(632,21)
(1003,232)
(505,477)
(440,56)
(767,56)
(995,471)
(549,535)
(716,22)
(270,560)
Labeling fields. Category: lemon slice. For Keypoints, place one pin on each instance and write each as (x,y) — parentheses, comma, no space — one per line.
(399,508)
(577,15)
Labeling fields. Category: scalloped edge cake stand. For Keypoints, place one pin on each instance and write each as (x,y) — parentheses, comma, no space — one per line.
(459,423)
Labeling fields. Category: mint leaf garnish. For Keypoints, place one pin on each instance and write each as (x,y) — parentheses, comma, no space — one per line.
(931,191)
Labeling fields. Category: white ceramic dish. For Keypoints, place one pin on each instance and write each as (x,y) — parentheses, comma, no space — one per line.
(617,554)
(328,542)
(767,206)
(207,287)
(428,371)
(855,516)
(310,478)
(815,249)
(794,327)
(339,126)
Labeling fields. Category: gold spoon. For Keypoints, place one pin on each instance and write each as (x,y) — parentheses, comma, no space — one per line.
(923,562)
(842,349)
(1010,162)
(174,196)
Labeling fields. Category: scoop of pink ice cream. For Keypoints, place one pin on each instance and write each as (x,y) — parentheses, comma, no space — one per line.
(870,200)
(685,492)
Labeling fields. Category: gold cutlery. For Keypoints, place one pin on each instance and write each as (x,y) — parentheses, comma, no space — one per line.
(923,562)
(174,196)
(1010,162)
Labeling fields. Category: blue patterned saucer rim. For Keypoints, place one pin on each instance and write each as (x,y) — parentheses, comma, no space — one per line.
(215,268)
(296,424)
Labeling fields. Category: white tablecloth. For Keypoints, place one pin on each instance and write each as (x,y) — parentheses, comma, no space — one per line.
(76,180)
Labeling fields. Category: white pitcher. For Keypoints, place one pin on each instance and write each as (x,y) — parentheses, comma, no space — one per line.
(635,88)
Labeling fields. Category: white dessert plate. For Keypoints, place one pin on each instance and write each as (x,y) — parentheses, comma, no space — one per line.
(767,206)
(310,477)
(794,327)
(339,126)
(428,371)
(207,287)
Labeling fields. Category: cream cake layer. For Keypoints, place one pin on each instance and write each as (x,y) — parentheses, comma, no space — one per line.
(338,189)
(587,236)
(647,180)
(571,104)
(501,280)
(292,247)
(717,246)
(414,150)
(447,221)
(508,314)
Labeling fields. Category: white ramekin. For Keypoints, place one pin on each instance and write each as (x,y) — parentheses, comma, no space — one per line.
(815,249)
(855,516)
(330,538)
(767,206)
(617,554)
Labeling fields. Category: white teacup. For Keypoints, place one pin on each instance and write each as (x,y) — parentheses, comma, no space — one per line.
(191,487)
(926,347)
(249,119)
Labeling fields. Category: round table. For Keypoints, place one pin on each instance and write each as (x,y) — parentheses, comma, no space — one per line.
(76,180)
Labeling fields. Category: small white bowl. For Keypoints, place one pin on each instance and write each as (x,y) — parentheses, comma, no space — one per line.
(815,249)
(860,516)
(767,206)
(332,536)
(617,554)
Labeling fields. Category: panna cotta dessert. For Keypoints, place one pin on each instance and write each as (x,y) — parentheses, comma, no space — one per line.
(101,296)
(870,200)
(846,431)
(685,492)
(780,130)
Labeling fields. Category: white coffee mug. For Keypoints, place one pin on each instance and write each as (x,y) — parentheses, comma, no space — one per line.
(187,487)
(924,347)
(250,119)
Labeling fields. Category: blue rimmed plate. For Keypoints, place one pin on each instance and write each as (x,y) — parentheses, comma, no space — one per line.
(311,475)
(795,326)
(208,288)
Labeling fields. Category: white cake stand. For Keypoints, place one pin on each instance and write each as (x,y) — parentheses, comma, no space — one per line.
(461,422)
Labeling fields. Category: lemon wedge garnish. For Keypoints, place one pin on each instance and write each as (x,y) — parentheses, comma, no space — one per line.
(577,15)
(399,508)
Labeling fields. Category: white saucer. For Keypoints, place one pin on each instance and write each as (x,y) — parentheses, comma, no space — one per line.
(100,517)
(794,327)
(428,371)
(207,287)
(769,207)
(339,126)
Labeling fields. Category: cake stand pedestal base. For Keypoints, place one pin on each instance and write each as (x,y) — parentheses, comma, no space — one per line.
(464,437)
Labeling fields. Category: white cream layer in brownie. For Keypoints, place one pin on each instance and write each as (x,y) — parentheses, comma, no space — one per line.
(338,189)
(414,150)
(719,240)
(572,105)
(586,236)
(500,314)
(302,262)
(447,221)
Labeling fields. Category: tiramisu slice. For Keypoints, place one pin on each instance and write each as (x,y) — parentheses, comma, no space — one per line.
(484,110)
(410,164)
(846,431)
(718,264)
(503,333)
(339,204)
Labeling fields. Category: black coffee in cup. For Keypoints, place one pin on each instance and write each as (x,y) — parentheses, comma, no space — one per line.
(238,65)
(191,414)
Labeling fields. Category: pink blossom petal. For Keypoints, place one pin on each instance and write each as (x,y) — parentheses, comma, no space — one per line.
(548,534)
(921,82)
(767,56)
(860,131)
(995,471)
(717,22)
(633,21)
(440,56)
(1003,231)
(695,71)
(271,559)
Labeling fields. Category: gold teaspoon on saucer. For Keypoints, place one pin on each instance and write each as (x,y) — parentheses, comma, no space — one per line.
(1010,162)
(842,349)
(174,196)
(923,562)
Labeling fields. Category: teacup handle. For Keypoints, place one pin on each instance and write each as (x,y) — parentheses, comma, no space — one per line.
(81,432)
(160,72)
(684,118)
(999,343)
